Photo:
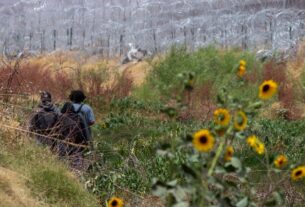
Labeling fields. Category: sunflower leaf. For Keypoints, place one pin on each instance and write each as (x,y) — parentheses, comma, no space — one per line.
(182,204)
(188,138)
(189,171)
(243,202)
(275,200)
(234,165)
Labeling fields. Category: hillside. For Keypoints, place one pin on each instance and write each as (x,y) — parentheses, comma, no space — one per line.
(31,176)
(13,190)
(147,113)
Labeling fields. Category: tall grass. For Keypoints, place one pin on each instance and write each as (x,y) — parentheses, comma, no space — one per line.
(214,70)
(50,181)
(130,125)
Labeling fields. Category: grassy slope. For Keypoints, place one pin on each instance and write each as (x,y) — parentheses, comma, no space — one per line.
(30,176)
(135,129)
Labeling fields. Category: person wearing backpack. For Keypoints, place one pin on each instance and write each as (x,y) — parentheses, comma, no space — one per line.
(43,120)
(70,128)
(72,134)
(85,111)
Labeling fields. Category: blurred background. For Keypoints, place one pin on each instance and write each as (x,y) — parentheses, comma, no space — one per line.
(107,27)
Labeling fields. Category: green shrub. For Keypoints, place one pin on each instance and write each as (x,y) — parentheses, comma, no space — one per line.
(208,64)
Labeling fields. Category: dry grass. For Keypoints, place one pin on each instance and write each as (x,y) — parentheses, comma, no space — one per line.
(35,176)
(295,72)
(14,192)
(291,92)
(59,73)
(200,103)
(136,71)
(287,90)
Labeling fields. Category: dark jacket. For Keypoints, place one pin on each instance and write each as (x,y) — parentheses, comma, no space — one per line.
(43,122)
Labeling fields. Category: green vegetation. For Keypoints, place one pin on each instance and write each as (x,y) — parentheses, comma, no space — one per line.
(134,149)
(210,66)
(139,143)
(142,136)
(49,182)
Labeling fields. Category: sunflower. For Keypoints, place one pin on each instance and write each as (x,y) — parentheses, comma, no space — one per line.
(222,117)
(256,144)
(298,173)
(242,63)
(229,153)
(203,140)
(267,89)
(115,202)
(241,71)
(280,161)
(240,121)
(252,140)
(259,148)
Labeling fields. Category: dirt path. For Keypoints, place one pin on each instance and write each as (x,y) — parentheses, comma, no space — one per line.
(137,71)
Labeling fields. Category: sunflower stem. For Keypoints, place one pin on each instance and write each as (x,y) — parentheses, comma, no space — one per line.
(218,153)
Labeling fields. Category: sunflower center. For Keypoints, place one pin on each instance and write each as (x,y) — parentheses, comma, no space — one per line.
(221,117)
(114,203)
(281,162)
(240,120)
(229,153)
(298,173)
(203,140)
(266,88)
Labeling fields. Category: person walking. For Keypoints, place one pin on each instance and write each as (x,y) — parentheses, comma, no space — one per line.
(44,119)
(77,98)
(76,120)
(71,135)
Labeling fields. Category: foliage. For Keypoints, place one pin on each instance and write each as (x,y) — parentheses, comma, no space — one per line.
(221,178)
(49,182)
(209,65)
(139,144)
(143,138)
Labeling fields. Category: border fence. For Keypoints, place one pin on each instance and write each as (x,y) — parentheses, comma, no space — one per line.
(107,26)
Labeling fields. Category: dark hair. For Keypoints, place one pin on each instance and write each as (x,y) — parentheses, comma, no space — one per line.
(77,96)
(67,108)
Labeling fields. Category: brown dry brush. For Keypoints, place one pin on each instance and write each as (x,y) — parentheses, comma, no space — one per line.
(30,79)
(200,104)
(287,96)
(121,87)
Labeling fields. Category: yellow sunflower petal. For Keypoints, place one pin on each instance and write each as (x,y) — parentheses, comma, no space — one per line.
(241,71)
(115,202)
(240,121)
(280,161)
(242,63)
(229,153)
(222,117)
(203,140)
(260,148)
(254,142)
(251,140)
(267,89)
(298,173)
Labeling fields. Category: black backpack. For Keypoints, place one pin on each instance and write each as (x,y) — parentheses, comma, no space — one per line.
(43,121)
(73,127)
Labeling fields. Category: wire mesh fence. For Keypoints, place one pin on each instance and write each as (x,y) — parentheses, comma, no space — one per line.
(108,26)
